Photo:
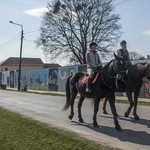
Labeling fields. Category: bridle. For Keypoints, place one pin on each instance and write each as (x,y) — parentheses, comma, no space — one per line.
(112,77)
(119,72)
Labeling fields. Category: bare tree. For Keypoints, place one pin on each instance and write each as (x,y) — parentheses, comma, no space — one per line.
(70,25)
(135,56)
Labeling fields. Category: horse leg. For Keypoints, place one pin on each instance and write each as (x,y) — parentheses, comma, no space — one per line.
(129,95)
(104,106)
(79,108)
(113,110)
(136,95)
(96,108)
(72,98)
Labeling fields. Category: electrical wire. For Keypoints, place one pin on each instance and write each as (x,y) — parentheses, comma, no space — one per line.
(31,31)
(123,2)
(10,44)
(31,35)
(29,40)
(10,40)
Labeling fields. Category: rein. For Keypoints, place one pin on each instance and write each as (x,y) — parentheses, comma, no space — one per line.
(119,72)
(104,80)
(112,77)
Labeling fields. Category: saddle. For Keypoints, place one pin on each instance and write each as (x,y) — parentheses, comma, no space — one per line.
(84,80)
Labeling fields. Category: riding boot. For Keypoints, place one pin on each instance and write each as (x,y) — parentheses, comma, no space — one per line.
(88,88)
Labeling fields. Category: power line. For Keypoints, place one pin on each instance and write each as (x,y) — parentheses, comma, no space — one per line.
(29,40)
(10,44)
(16,38)
(32,31)
(10,40)
(31,35)
(123,2)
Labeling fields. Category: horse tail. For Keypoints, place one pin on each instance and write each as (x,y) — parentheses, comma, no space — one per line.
(67,94)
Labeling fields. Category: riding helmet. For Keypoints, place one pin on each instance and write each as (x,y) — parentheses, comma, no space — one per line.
(123,42)
(92,43)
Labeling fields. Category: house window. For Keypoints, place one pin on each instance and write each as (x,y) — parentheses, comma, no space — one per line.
(6,69)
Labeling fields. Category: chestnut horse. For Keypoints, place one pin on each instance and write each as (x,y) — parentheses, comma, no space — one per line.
(133,84)
(104,86)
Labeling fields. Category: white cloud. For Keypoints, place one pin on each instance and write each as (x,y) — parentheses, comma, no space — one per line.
(39,12)
(147,32)
(36,12)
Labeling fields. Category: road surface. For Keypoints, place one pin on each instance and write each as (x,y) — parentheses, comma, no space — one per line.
(47,109)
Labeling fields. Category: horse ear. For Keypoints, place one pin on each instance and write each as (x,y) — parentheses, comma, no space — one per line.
(116,57)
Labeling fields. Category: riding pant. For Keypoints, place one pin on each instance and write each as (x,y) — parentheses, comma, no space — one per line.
(90,72)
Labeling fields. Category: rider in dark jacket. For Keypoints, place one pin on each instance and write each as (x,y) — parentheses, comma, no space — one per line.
(124,52)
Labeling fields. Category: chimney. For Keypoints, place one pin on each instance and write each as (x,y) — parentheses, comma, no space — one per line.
(147,56)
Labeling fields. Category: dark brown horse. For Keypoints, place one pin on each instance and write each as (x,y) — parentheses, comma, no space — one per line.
(132,85)
(104,86)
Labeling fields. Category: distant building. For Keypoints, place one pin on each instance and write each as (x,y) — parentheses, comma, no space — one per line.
(12,63)
(46,65)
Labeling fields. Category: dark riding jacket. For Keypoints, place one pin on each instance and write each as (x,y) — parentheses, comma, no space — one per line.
(125,54)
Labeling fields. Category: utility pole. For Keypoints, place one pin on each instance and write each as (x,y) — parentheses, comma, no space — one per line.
(20,53)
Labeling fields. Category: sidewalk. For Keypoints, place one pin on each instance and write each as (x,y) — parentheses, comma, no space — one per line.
(117,97)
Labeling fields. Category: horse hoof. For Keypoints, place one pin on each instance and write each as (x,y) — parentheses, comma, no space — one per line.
(95,125)
(70,117)
(81,120)
(118,128)
(136,118)
(105,112)
(126,114)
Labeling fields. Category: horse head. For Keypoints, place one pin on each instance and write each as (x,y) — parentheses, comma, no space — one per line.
(148,72)
(120,66)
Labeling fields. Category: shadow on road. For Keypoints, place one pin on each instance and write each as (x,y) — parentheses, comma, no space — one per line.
(131,119)
(138,137)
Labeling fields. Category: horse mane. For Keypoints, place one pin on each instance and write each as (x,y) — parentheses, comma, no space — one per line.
(108,64)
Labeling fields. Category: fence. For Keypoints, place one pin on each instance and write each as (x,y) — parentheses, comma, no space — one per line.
(53,79)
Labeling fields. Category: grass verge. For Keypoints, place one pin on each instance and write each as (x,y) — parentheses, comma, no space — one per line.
(19,133)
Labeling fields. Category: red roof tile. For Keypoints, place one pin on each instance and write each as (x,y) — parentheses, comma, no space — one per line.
(11,61)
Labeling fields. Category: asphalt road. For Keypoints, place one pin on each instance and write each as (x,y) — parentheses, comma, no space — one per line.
(47,109)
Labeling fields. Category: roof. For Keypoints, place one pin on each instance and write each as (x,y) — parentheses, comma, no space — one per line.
(14,61)
(51,65)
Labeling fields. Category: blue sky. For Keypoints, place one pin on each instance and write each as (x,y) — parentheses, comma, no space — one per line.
(134,15)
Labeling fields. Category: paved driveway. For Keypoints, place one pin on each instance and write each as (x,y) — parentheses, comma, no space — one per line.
(135,134)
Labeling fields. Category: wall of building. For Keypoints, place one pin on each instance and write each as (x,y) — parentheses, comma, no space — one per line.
(23,68)
(39,79)
(53,79)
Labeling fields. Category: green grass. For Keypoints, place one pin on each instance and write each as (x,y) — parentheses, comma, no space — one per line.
(56,94)
(127,102)
(39,87)
(19,133)
(52,94)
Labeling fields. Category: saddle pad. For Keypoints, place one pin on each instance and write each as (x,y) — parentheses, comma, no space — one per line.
(85,79)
